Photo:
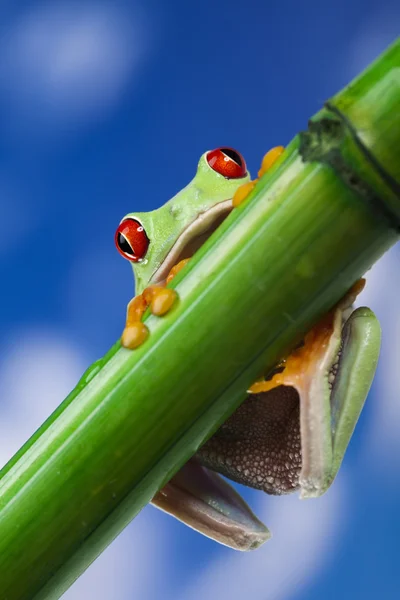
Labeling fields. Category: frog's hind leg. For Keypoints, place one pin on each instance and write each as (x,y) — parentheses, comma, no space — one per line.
(293,430)
(358,359)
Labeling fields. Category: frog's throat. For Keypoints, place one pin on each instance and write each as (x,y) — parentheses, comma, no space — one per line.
(192,238)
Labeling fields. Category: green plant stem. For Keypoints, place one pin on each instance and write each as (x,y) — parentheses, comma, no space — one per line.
(311,227)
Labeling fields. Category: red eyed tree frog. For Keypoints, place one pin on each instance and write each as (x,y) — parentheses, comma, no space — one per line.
(293,429)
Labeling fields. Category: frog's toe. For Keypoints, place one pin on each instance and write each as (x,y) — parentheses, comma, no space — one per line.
(242,192)
(134,335)
(270,159)
(162,301)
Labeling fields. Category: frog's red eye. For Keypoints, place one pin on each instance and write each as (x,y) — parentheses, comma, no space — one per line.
(131,240)
(227,162)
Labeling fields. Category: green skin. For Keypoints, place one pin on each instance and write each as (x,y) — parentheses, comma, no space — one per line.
(278,441)
(200,201)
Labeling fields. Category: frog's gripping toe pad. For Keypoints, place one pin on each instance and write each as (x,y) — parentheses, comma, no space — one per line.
(206,502)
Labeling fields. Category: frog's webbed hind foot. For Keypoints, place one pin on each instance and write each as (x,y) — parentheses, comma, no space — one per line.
(207,503)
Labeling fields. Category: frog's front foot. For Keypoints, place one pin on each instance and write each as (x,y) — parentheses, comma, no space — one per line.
(134,335)
(244,190)
(159,299)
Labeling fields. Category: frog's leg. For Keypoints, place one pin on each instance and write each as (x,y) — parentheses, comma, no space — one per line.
(244,190)
(293,430)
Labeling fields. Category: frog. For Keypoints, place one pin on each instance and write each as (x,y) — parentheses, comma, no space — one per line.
(291,432)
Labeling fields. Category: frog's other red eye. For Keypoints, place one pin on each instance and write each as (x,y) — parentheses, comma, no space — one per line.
(227,162)
(131,240)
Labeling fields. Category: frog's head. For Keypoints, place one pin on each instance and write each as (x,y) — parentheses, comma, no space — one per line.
(156,241)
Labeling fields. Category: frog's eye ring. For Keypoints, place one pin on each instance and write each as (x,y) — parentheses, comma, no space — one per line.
(227,162)
(131,240)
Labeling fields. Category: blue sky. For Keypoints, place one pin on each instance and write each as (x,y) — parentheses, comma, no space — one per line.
(105,108)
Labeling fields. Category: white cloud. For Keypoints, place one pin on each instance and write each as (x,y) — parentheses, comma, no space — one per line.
(107,577)
(125,570)
(70,60)
(37,371)
(304,535)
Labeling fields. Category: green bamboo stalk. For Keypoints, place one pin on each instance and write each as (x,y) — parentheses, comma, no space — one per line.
(323,215)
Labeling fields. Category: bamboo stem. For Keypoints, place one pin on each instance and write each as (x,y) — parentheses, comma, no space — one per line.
(313,225)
